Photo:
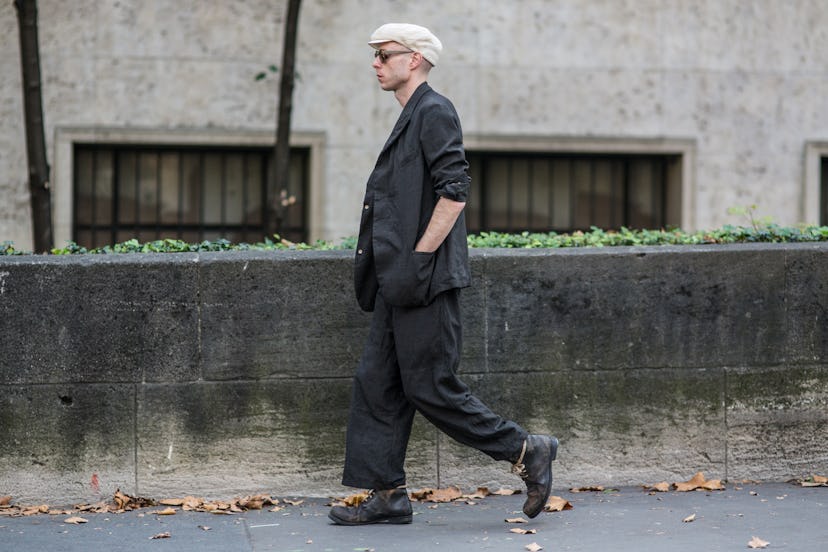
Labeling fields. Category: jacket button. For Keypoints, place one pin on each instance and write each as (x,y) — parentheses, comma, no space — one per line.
(365,206)
(359,251)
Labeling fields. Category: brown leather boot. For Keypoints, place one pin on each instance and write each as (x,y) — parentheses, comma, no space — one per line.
(534,466)
(389,506)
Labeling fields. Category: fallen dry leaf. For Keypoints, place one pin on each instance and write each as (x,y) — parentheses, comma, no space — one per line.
(516,520)
(165,512)
(192,503)
(534,547)
(594,488)
(75,520)
(252,504)
(557,504)
(125,502)
(699,482)
(690,518)
(292,502)
(352,500)
(480,493)
(756,542)
(713,485)
(814,481)
(5,500)
(257,502)
(97,508)
(438,495)
(34,510)
(506,492)
(690,485)
(520,531)
(164,535)
(662,487)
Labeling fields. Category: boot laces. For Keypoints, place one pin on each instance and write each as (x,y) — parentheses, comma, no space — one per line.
(520,471)
(519,468)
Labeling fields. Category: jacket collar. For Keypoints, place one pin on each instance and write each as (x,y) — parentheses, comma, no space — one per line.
(405,116)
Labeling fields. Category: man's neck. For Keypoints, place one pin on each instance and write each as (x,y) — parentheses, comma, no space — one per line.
(404,93)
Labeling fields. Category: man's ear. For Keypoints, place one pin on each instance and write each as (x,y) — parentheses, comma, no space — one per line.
(416,60)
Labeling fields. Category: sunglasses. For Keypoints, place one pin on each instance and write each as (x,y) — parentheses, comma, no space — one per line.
(383,55)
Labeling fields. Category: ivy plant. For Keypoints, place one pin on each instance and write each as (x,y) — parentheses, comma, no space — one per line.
(595,237)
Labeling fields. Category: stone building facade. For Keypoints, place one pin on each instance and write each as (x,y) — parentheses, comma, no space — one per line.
(621,112)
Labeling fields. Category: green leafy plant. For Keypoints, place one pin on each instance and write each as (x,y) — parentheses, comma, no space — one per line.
(595,237)
(749,212)
(7,248)
(178,246)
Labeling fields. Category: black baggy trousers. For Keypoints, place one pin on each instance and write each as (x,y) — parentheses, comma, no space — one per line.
(409,365)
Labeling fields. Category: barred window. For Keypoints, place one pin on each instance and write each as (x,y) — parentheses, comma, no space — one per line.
(189,193)
(513,192)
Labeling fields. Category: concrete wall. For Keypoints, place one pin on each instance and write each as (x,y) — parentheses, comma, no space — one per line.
(221,374)
(740,86)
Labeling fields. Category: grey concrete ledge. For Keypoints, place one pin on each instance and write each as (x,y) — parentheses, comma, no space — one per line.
(221,373)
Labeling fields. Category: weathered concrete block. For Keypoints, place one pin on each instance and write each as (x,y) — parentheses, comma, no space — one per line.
(272,315)
(279,436)
(630,308)
(118,318)
(777,422)
(806,299)
(616,427)
(475,326)
(54,438)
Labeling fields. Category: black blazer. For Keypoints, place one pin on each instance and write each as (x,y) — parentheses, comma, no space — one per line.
(421,161)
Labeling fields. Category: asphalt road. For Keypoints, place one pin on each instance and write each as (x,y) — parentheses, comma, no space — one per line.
(786,516)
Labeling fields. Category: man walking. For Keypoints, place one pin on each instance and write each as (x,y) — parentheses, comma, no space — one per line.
(411,262)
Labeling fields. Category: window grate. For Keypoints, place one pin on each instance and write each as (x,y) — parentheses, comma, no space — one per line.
(542,192)
(188,193)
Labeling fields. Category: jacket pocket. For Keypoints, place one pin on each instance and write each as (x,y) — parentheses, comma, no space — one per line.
(410,286)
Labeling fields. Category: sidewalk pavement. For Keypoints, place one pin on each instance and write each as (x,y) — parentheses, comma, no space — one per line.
(787,516)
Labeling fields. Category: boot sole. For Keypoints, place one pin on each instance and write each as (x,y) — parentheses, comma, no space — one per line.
(395,520)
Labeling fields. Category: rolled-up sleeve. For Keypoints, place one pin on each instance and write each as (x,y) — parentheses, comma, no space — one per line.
(442,141)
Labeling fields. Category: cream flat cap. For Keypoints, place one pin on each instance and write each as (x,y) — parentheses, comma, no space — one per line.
(413,37)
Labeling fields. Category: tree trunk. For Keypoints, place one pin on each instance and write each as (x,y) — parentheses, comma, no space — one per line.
(279,200)
(39,192)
